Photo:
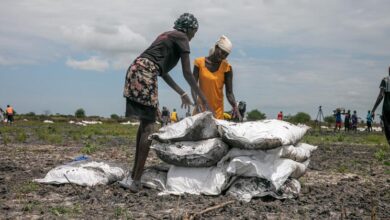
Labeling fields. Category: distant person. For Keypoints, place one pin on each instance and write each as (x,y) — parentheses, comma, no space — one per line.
(381,123)
(213,73)
(165,116)
(369,121)
(141,91)
(1,115)
(10,114)
(384,94)
(188,113)
(354,120)
(347,121)
(280,115)
(242,108)
(174,117)
(338,120)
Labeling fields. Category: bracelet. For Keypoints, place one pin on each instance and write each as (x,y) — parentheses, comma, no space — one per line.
(184,94)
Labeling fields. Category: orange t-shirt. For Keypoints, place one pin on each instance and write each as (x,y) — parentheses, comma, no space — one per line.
(212,83)
(10,111)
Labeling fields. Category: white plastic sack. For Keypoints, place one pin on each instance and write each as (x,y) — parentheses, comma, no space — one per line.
(245,189)
(203,153)
(206,181)
(261,135)
(85,173)
(269,166)
(300,153)
(199,127)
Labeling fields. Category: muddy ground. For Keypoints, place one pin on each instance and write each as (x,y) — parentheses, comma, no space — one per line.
(344,181)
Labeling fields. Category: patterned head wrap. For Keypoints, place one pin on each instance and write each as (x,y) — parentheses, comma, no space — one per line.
(186,21)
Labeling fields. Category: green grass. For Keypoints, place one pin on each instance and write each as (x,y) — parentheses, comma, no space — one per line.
(380,155)
(32,205)
(342,169)
(60,133)
(65,210)
(348,138)
(28,187)
(89,149)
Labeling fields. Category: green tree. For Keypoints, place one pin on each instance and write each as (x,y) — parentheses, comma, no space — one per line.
(300,117)
(30,114)
(114,116)
(255,115)
(330,119)
(80,113)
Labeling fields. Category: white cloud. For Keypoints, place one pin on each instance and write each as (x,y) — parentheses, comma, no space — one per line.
(105,39)
(93,63)
(340,49)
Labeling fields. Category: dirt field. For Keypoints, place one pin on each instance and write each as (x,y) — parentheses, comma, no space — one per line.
(344,181)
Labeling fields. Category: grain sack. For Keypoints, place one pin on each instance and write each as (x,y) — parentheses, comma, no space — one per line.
(246,188)
(300,153)
(203,153)
(85,173)
(260,135)
(195,128)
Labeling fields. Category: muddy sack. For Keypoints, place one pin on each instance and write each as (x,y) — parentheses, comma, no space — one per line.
(258,163)
(152,178)
(246,188)
(195,128)
(84,173)
(260,135)
(203,153)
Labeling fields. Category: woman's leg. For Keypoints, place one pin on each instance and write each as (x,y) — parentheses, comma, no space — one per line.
(146,128)
(386,124)
(136,150)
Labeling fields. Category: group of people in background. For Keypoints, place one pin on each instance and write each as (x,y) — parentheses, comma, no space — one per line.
(7,115)
(350,121)
(168,117)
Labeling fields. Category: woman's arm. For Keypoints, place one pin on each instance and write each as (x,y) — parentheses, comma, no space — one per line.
(196,77)
(378,100)
(185,63)
(229,92)
(185,99)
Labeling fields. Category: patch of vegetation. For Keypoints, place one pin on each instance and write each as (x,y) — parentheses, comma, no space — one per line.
(340,138)
(21,137)
(89,149)
(65,210)
(120,212)
(380,155)
(28,187)
(32,205)
(342,169)
(5,138)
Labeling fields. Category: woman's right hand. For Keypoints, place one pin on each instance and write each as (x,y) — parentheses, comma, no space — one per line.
(186,101)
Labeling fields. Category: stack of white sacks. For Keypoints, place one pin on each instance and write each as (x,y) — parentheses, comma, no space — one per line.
(245,160)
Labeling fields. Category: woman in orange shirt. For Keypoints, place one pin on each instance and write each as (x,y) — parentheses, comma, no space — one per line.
(213,73)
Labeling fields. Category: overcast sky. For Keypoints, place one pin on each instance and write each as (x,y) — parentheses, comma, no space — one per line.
(292,56)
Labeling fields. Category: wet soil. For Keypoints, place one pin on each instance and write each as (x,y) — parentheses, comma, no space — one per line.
(343,181)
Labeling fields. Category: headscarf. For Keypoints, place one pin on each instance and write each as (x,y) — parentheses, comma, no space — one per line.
(224,43)
(186,21)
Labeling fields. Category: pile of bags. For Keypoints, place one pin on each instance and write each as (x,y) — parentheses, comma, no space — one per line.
(210,157)
(245,160)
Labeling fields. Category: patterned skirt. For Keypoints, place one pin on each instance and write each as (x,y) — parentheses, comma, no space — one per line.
(141,90)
